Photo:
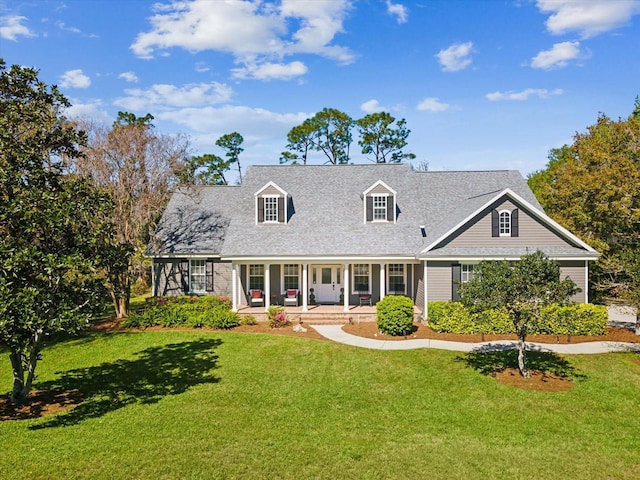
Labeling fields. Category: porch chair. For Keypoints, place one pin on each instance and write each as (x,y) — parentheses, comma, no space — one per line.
(256,297)
(291,297)
(363,296)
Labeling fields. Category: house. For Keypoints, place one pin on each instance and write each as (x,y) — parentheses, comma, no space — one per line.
(344,234)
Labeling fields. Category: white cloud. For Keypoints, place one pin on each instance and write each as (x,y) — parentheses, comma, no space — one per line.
(399,10)
(456,57)
(270,71)
(523,95)
(558,57)
(372,106)
(11,27)
(588,17)
(433,104)
(129,77)
(93,110)
(74,79)
(255,33)
(163,96)
(252,122)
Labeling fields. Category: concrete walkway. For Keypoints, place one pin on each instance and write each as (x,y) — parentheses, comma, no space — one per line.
(335,333)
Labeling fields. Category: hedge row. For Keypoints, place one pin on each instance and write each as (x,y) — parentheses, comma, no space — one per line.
(196,312)
(578,319)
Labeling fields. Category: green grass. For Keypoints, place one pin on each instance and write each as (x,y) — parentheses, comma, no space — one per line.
(179,404)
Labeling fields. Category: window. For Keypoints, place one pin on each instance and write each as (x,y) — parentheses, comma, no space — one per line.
(361,278)
(505,224)
(466,272)
(197,276)
(396,277)
(256,277)
(379,208)
(270,209)
(290,276)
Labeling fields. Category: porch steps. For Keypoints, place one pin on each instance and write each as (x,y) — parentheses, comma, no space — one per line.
(320,318)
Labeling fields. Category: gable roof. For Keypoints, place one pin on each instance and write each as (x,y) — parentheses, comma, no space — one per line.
(579,247)
(326,205)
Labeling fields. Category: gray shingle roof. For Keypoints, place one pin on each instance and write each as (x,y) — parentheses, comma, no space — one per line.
(328,218)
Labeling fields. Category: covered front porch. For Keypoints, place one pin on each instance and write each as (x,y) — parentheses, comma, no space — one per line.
(323,314)
(338,285)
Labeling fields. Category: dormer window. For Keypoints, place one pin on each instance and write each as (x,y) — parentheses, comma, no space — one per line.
(270,209)
(271,204)
(379,208)
(504,223)
(379,203)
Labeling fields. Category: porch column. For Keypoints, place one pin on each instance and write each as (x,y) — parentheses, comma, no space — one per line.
(425,311)
(267,286)
(234,287)
(383,268)
(346,287)
(305,288)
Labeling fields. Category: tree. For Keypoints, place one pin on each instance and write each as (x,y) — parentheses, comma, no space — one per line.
(522,288)
(380,139)
(591,187)
(231,143)
(50,227)
(207,169)
(328,131)
(137,166)
(300,140)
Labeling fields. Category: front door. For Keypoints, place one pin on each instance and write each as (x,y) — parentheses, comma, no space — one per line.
(327,281)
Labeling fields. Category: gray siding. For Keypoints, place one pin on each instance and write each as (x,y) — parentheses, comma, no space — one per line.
(575,271)
(439,281)
(379,189)
(532,233)
(169,279)
(222,279)
(271,190)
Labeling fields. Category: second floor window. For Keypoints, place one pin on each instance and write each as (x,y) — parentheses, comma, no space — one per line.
(505,224)
(379,207)
(270,209)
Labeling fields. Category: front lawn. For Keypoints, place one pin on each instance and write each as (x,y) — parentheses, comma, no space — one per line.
(195,404)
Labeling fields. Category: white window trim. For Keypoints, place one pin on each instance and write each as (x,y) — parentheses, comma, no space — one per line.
(404,276)
(191,275)
(462,266)
(353,279)
(386,205)
(264,280)
(505,234)
(264,200)
(282,276)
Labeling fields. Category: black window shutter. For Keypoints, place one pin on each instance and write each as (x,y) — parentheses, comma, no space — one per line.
(391,206)
(281,210)
(184,275)
(514,223)
(495,223)
(369,209)
(456,276)
(260,209)
(209,276)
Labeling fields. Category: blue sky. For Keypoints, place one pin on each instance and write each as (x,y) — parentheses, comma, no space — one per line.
(482,84)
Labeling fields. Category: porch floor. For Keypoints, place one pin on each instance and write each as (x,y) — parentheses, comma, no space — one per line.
(323,314)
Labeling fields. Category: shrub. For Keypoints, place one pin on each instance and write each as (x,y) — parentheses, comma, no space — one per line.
(191,311)
(248,320)
(395,315)
(276,318)
(577,319)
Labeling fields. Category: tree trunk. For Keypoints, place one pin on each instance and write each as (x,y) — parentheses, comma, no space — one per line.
(522,359)
(638,320)
(18,395)
(22,387)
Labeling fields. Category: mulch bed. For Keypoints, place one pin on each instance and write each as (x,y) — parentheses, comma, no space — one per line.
(40,403)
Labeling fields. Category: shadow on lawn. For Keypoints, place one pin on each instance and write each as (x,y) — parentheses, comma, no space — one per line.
(488,361)
(158,372)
